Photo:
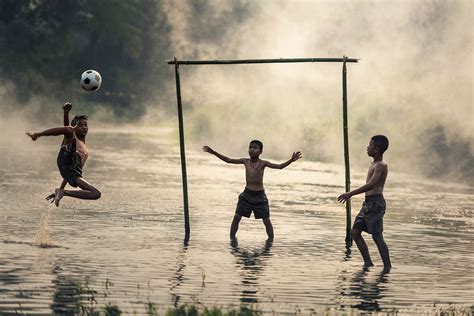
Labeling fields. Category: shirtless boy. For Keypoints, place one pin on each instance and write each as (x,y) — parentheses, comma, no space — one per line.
(66,109)
(370,217)
(253,198)
(71,159)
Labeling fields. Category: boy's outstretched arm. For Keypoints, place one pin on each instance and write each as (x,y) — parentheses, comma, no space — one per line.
(294,157)
(379,169)
(221,157)
(66,107)
(56,131)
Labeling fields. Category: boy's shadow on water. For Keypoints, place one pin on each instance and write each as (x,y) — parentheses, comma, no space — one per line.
(364,293)
(250,263)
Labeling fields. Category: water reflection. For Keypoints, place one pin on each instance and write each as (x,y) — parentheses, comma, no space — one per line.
(178,278)
(67,296)
(362,290)
(250,264)
(9,273)
(305,269)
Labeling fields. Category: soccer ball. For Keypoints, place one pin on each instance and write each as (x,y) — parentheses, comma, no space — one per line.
(91,80)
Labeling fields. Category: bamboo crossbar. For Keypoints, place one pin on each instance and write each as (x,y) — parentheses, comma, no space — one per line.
(262,61)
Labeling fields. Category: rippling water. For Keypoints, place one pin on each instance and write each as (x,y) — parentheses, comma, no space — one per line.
(126,249)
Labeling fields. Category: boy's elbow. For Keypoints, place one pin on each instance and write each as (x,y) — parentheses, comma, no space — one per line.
(370,186)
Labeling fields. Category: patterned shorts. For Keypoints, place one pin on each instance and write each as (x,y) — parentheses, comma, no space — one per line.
(370,217)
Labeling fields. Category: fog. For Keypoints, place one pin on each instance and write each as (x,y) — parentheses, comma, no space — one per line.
(413,82)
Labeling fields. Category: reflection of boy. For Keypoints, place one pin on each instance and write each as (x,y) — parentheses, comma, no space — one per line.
(71,157)
(370,217)
(253,198)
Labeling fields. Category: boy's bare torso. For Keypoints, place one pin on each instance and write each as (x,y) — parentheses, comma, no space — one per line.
(81,149)
(254,174)
(378,188)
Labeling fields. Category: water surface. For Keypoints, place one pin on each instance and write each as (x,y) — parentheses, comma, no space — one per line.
(126,249)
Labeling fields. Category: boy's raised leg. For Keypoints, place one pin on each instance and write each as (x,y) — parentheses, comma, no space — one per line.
(383,249)
(364,250)
(88,192)
(235,225)
(269,228)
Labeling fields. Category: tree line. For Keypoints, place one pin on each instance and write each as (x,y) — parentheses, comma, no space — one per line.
(45,45)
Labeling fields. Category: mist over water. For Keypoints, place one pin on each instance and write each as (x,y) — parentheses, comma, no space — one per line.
(414,77)
(413,82)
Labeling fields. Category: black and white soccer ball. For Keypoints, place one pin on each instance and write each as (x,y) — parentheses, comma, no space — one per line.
(91,80)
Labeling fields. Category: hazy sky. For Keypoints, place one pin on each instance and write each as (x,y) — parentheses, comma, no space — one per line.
(415,73)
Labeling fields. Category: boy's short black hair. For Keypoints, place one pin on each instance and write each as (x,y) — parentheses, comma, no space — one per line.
(381,142)
(77,118)
(258,143)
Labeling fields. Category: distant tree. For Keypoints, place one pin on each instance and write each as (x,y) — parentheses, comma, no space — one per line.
(47,44)
(443,157)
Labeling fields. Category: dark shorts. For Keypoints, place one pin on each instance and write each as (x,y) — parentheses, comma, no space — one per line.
(255,201)
(370,217)
(69,165)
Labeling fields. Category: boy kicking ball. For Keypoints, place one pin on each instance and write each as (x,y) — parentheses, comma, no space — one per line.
(71,158)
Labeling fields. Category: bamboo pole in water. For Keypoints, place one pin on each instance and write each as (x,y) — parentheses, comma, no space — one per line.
(183,153)
(344,60)
(346,151)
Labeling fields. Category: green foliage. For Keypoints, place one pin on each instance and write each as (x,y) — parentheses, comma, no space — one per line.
(47,44)
(183,310)
(151,308)
(111,310)
(192,310)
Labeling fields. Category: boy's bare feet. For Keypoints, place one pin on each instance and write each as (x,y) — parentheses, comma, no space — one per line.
(368,264)
(59,194)
(51,197)
(386,270)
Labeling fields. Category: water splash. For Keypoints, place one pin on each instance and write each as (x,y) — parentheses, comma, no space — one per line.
(42,237)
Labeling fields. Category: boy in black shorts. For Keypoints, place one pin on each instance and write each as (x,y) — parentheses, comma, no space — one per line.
(370,217)
(71,158)
(253,198)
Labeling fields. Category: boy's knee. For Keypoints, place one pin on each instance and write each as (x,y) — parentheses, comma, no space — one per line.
(97,194)
(237,218)
(355,233)
(377,237)
(267,221)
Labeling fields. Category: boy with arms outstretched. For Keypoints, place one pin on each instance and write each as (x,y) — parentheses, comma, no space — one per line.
(370,217)
(71,158)
(253,198)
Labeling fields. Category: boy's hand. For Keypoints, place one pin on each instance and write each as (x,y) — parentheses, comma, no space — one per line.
(67,106)
(208,149)
(296,156)
(344,197)
(34,136)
